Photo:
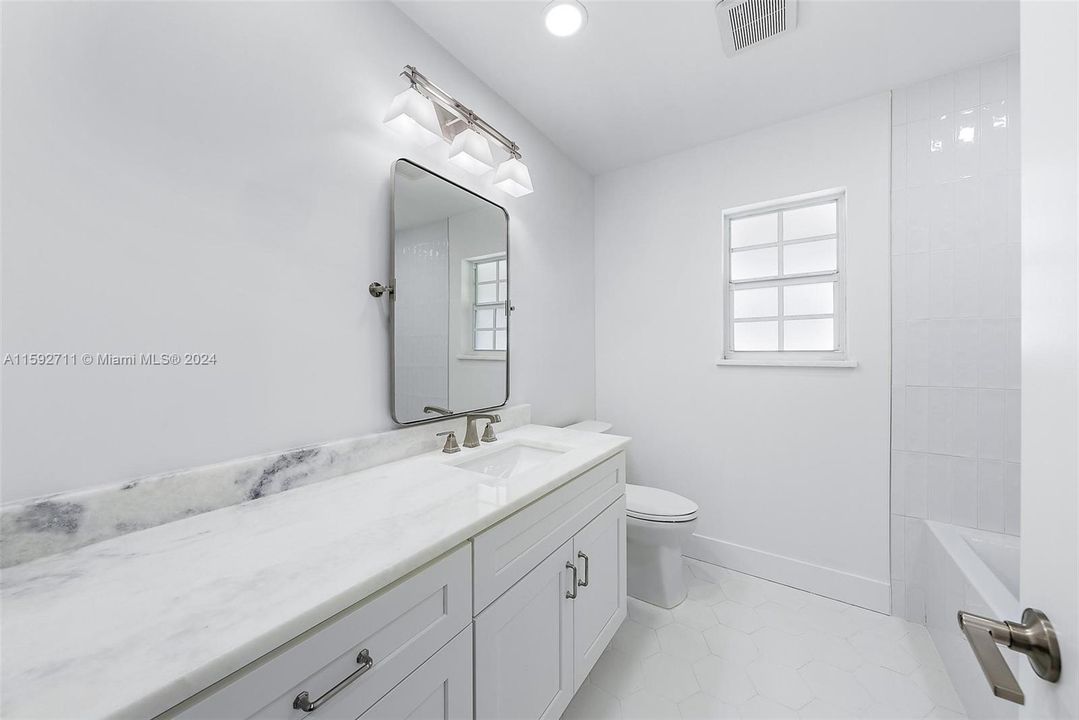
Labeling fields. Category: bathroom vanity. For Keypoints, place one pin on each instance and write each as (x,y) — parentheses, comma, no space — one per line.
(482,583)
(521,613)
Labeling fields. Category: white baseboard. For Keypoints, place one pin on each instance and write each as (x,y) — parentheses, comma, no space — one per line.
(829,582)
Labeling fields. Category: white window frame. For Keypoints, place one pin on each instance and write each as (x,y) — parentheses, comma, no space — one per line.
(476,305)
(796,358)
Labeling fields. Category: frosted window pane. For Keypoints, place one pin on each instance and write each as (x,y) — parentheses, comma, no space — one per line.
(485,272)
(500,317)
(815,299)
(809,221)
(485,340)
(755,230)
(808,335)
(809,257)
(756,303)
(486,293)
(502,292)
(750,336)
(754,263)
(502,269)
(485,318)
(500,340)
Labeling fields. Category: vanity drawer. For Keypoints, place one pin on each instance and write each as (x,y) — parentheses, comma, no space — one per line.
(506,552)
(440,689)
(400,627)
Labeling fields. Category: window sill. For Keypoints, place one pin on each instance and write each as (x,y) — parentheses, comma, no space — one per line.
(766,362)
(497,355)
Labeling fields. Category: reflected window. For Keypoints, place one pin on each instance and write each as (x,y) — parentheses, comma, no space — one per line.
(490,289)
(783,272)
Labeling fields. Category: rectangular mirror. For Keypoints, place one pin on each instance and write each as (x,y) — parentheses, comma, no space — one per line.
(450,317)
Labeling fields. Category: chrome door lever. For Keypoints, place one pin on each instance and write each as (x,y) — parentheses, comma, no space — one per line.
(1034,637)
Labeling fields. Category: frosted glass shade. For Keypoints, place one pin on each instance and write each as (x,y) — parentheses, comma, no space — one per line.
(471,151)
(413,116)
(512,178)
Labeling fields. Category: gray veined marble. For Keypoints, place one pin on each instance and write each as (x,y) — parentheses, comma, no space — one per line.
(36,527)
(131,626)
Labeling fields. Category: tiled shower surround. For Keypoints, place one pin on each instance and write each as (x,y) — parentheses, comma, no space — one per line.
(955,316)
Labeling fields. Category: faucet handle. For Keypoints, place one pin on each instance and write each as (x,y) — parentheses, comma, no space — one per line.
(451,445)
(488,433)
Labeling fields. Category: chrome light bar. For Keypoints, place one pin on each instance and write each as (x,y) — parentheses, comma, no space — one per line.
(463,113)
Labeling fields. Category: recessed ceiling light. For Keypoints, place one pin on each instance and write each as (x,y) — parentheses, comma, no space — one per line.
(564,17)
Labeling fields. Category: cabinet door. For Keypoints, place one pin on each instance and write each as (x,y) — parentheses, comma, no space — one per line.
(440,689)
(524,646)
(600,606)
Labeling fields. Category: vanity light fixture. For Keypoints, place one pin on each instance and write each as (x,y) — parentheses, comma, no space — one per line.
(512,178)
(564,17)
(427,113)
(413,115)
(471,151)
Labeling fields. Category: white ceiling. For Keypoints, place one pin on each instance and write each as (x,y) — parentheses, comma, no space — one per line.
(644,79)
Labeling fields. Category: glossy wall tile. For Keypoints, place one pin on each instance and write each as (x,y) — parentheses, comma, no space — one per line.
(955,311)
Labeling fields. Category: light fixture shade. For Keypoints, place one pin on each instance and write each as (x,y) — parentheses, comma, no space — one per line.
(471,151)
(413,115)
(512,178)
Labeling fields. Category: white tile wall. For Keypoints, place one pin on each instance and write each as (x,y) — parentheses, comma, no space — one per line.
(955,312)
(422,338)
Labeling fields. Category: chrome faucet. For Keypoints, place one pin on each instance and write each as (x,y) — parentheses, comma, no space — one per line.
(472,439)
(451,445)
(436,409)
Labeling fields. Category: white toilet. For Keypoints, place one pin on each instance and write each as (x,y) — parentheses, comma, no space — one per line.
(658,523)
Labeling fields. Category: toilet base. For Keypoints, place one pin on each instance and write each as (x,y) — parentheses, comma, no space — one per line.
(654,561)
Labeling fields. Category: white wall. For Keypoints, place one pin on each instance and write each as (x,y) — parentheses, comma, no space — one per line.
(789,465)
(214,177)
(955,313)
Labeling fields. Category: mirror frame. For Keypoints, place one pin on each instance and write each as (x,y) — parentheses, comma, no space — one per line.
(393,297)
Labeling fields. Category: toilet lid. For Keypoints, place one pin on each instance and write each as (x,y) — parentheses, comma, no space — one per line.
(649,503)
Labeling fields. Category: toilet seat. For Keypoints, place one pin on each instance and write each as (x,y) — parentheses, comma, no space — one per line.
(655,505)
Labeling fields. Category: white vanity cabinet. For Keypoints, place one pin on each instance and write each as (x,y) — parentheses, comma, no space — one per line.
(524,645)
(399,628)
(599,552)
(440,689)
(536,643)
(504,627)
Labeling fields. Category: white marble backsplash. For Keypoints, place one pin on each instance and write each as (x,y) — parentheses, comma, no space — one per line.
(36,527)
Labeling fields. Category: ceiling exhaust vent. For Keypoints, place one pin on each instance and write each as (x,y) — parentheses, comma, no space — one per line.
(745,23)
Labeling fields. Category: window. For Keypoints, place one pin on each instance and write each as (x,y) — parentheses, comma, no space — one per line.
(489,304)
(783,273)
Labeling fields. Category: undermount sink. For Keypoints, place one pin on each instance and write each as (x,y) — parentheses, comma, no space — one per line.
(510,461)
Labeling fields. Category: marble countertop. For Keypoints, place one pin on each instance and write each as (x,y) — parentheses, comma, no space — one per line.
(133,625)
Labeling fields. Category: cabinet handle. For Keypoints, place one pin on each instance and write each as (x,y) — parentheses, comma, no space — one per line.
(584,583)
(303,702)
(572,594)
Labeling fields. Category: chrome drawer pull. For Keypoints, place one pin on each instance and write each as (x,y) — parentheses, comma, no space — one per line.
(303,702)
(584,583)
(572,594)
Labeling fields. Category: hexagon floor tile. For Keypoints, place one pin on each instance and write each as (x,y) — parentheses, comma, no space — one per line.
(743,647)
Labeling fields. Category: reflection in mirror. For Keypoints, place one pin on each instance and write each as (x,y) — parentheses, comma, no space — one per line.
(451,298)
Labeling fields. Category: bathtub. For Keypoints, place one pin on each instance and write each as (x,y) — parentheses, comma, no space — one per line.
(976,571)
